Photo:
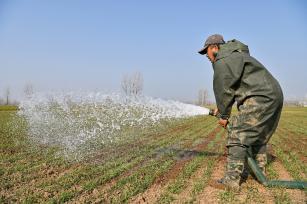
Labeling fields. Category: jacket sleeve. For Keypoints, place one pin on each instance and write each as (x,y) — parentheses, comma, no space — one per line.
(227,75)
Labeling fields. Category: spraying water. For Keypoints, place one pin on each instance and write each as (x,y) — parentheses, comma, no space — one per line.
(72,121)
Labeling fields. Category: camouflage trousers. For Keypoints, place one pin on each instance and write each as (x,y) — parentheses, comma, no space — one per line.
(251,128)
(236,166)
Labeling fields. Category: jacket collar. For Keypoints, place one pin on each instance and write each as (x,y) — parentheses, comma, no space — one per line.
(230,47)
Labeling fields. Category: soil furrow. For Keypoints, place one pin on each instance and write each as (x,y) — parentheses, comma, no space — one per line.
(151,195)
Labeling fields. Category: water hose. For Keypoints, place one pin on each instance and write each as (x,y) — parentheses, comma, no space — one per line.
(273,183)
(261,177)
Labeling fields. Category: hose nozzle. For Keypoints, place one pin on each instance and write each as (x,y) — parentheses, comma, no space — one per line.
(215,113)
(211,112)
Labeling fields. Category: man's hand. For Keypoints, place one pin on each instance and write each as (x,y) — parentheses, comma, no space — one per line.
(223,123)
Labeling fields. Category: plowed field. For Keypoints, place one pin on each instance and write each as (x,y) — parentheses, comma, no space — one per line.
(174,162)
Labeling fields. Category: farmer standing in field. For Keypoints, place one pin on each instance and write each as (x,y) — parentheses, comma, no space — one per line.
(240,78)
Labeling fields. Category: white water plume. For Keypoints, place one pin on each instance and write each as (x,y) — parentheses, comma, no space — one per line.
(73,120)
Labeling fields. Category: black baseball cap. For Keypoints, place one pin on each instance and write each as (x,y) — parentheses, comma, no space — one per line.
(215,39)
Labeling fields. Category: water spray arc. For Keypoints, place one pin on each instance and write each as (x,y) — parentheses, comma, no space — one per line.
(82,122)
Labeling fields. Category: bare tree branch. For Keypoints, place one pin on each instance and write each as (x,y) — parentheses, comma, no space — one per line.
(132,84)
(202,97)
(28,90)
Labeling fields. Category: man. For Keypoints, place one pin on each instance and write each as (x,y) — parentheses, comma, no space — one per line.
(240,78)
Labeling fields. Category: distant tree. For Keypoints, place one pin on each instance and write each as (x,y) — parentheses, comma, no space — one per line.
(7,95)
(202,97)
(132,84)
(125,84)
(28,90)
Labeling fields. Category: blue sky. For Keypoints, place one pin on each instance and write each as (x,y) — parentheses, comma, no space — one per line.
(91,45)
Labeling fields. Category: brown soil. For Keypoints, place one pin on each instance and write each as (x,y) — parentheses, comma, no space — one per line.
(152,194)
(102,191)
(179,165)
(294,145)
(211,193)
(184,195)
(296,196)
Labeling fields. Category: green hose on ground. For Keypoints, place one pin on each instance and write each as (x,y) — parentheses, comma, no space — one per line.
(274,183)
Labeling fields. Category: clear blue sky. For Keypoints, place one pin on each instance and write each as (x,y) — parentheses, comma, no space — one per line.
(90,45)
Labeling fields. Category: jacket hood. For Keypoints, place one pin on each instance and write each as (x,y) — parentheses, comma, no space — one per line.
(230,47)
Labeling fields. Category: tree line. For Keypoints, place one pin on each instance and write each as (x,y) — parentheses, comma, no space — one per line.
(7,98)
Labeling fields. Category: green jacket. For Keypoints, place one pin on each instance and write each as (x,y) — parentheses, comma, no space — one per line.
(238,76)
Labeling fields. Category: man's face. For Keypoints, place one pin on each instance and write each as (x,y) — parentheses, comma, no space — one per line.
(211,52)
